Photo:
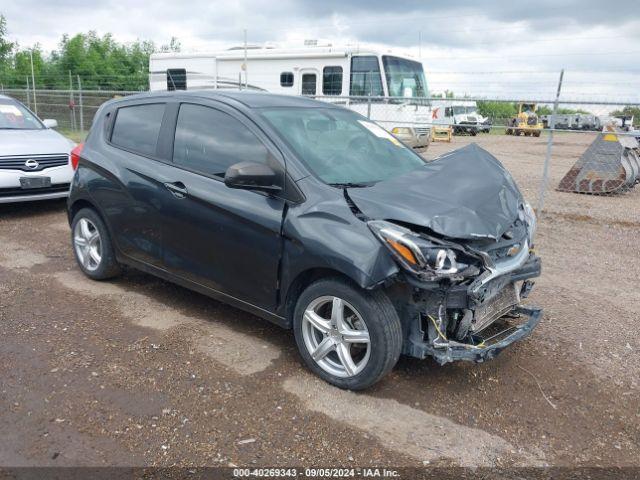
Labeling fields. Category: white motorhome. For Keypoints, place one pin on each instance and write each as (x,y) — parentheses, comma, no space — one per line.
(462,115)
(388,88)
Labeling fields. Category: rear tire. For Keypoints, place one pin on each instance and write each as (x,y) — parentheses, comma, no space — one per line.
(332,344)
(92,246)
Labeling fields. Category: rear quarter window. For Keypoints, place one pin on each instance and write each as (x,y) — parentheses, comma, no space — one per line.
(137,127)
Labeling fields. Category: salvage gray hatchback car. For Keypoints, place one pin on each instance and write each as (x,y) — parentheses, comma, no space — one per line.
(313,217)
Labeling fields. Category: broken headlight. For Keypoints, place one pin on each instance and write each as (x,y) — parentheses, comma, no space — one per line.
(416,253)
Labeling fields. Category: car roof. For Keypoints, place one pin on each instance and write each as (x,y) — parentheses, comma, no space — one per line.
(248,99)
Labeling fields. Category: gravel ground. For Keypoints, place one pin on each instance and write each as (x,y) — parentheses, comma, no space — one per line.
(138,371)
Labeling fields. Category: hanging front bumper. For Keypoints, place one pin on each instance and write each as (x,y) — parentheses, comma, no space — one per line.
(451,351)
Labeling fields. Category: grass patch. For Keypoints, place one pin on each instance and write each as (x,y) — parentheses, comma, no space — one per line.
(75,135)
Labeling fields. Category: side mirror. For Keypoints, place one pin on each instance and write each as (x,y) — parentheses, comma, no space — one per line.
(50,123)
(251,176)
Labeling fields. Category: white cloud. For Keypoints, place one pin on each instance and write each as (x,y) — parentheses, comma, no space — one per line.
(598,45)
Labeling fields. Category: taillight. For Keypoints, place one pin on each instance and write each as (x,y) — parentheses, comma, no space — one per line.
(75,155)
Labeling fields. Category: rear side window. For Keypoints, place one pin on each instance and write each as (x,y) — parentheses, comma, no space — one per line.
(332,80)
(137,127)
(210,141)
(176,79)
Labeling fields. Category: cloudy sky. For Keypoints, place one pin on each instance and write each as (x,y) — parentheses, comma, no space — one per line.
(488,48)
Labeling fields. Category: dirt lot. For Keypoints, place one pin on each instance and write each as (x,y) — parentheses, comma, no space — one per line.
(141,372)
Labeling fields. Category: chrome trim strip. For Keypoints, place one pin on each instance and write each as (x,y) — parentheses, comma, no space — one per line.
(505,266)
(29,198)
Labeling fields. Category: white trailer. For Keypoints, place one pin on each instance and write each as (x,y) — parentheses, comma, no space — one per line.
(388,88)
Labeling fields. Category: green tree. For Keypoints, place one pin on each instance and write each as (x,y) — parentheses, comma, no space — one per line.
(104,63)
(629,111)
(544,110)
(6,47)
(100,61)
(498,112)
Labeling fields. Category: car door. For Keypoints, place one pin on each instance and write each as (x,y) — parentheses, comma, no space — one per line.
(225,239)
(133,200)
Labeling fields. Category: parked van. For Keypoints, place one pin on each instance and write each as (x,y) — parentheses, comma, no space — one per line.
(388,88)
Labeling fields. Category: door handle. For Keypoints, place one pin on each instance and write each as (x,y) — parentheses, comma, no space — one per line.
(178,189)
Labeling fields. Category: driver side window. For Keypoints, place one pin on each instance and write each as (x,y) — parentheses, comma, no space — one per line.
(210,141)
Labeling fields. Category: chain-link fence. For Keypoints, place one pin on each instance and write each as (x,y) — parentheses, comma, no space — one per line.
(72,109)
(564,155)
(554,149)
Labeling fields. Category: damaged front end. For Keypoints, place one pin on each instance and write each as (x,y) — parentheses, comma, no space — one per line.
(462,299)
(463,234)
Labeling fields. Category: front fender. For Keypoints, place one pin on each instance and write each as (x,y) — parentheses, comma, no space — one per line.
(324,233)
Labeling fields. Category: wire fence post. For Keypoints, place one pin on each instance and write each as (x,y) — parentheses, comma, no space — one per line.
(33,84)
(80,105)
(547,160)
(72,111)
(28,94)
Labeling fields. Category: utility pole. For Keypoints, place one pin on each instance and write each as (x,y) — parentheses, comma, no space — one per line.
(33,84)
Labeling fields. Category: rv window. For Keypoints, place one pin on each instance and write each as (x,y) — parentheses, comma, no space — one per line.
(176,79)
(286,79)
(309,84)
(448,112)
(210,141)
(405,78)
(332,81)
(365,77)
(137,128)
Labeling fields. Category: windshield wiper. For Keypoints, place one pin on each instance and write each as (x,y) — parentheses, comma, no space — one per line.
(351,185)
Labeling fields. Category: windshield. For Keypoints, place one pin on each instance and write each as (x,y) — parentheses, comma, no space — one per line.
(13,116)
(342,147)
(405,78)
(463,110)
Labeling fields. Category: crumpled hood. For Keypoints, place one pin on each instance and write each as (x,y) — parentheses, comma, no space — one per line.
(33,142)
(463,194)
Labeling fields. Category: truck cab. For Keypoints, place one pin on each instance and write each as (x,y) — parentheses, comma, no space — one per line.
(461,115)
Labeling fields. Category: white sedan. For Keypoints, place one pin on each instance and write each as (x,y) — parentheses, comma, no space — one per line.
(34,159)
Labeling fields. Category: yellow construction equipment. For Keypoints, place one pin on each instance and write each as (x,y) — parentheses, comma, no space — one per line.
(526,122)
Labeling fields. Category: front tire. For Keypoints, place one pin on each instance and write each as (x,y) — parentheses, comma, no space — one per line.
(92,246)
(348,336)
